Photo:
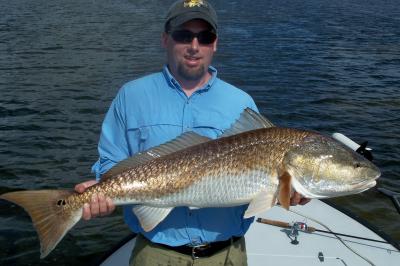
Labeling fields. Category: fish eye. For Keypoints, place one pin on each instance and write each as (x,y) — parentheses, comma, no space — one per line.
(357,165)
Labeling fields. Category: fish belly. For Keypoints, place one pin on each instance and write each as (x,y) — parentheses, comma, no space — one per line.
(218,191)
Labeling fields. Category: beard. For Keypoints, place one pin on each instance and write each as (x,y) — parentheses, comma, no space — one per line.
(191,74)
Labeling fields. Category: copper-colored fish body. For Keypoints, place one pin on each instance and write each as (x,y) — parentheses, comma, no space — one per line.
(251,157)
(255,166)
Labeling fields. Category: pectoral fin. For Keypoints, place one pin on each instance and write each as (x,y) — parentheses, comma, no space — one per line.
(150,217)
(262,202)
(284,190)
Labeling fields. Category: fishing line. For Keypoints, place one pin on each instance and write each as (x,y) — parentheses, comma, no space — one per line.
(337,236)
(310,229)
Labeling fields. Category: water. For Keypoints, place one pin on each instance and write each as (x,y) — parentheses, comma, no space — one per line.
(322,65)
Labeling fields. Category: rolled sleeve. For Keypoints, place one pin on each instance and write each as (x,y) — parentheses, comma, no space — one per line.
(113,144)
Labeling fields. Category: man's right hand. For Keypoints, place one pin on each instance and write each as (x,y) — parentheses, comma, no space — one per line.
(99,204)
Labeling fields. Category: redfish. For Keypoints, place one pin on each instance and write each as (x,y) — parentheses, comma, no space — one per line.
(252,163)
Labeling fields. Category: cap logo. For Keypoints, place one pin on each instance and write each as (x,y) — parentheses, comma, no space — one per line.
(193,3)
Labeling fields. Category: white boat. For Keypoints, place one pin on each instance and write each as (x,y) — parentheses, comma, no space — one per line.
(346,241)
(272,245)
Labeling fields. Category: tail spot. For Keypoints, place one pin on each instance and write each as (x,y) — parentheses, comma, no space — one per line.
(61,202)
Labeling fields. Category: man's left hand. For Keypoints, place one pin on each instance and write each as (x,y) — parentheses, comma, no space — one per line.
(297,198)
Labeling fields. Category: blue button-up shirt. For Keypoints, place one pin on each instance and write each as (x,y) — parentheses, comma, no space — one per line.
(154,109)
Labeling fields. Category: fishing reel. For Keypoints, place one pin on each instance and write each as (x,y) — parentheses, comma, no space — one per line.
(294,231)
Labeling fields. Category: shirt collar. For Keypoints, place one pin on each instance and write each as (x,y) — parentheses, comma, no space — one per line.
(175,84)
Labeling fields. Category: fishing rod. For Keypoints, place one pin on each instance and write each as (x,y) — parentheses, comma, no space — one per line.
(300,226)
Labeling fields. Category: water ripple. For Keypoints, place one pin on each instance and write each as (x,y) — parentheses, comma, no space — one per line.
(321,65)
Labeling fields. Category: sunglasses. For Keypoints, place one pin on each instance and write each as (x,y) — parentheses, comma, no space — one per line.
(186,36)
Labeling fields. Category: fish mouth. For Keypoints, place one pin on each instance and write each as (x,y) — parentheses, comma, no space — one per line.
(364,186)
(352,189)
(341,191)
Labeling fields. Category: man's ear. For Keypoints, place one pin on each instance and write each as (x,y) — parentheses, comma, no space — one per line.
(164,39)
(215,45)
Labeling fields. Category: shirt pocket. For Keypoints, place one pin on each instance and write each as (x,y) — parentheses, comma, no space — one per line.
(209,126)
(148,136)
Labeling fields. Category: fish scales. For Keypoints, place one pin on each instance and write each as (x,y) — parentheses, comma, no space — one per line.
(253,163)
(248,158)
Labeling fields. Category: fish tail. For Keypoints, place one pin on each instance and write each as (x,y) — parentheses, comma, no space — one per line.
(50,214)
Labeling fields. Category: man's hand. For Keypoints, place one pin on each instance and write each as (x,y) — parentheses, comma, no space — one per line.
(99,204)
(297,198)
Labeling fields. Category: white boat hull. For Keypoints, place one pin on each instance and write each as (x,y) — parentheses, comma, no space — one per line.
(271,245)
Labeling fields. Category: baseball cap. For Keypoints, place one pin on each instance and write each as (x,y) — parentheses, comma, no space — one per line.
(183,11)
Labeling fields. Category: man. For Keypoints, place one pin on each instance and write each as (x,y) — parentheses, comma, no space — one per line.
(185,96)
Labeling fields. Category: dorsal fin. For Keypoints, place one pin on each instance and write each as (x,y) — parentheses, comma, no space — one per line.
(185,140)
(248,120)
